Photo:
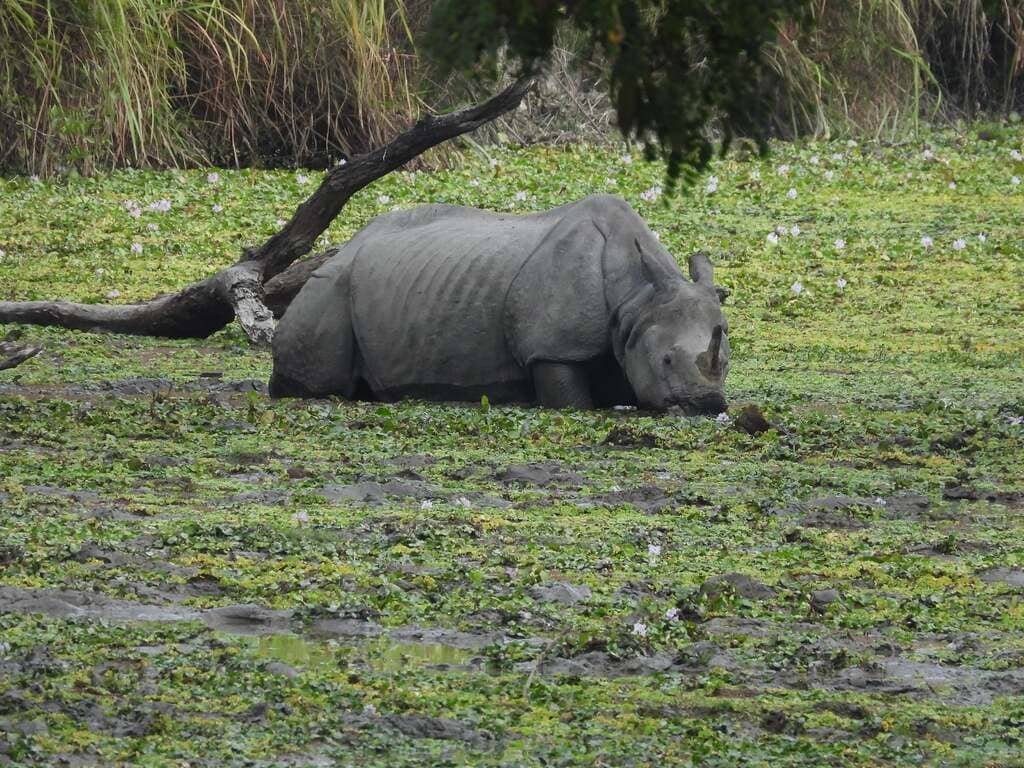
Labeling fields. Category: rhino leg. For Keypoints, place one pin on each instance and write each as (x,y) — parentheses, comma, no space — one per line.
(562,385)
(315,349)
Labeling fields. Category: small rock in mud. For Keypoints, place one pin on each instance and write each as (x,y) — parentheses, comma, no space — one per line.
(471,470)
(737,583)
(752,421)
(628,436)
(540,473)
(561,592)
(821,599)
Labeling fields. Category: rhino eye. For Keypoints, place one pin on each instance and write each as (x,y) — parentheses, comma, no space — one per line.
(667,359)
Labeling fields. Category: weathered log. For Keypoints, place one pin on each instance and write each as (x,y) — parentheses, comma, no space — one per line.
(242,291)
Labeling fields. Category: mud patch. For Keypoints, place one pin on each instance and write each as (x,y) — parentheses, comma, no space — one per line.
(561,592)
(961,686)
(247,619)
(542,473)
(737,584)
(1013,577)
(68,604)
(374,492)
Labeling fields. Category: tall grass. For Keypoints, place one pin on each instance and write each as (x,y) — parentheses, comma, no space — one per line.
(167,82)
(879,66)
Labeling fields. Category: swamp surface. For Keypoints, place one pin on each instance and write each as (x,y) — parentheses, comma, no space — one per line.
(193,574)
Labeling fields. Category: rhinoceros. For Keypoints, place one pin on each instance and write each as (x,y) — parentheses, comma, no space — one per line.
(579,307)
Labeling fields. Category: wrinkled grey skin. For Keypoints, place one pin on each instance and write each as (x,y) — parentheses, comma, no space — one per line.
(578,307)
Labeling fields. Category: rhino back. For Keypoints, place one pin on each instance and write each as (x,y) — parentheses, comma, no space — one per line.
(428,294)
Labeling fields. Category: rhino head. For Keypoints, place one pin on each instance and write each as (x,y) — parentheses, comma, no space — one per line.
(673,342)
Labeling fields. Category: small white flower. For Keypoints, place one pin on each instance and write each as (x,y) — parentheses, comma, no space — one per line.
(712,185)
(879,501)
(623,407)
(136,248)
(217,208)
(952,185)
(926,242)
(301,179)
(212,178)
(959,244)
(383,199)
(627,159)
(755,174)
(135,213)
(851,143)
(795,230)
(153,227)
(520,196)
(653,550)
(2,253)
(342,161)
(651,194)
(927,154)
(615,489)
(841,283)
(1016,421)
(369,709)
(1016,155)
(829,175)
(300,517)
(839,243)
(782,170)
(791,194)
(982,238)
(162,206)
(837,157)
(640,629)
(462,501)
(797,288)
(426,504)
(4,648)
(99,271)
(129,204)
(723,418)
(672,614)
(114,294)
(1015,180)
(814,160)
(280,223)
(781,230)
(474,182)
(34,178)
(772,238)
(610,182)
(494,162)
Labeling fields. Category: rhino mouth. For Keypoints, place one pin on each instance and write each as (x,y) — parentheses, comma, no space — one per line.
(706,404)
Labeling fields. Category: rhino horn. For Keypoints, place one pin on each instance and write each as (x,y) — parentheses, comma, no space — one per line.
(714,364)
(701,270)
(656,272)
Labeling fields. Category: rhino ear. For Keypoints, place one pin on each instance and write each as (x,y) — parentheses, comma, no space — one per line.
(723,293)
(656,273)
(701,270)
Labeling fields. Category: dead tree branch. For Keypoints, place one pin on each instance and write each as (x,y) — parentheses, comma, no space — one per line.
(261,284)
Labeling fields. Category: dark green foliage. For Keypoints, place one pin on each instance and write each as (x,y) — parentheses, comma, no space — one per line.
(674,66)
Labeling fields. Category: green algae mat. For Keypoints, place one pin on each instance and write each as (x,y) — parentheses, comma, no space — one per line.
(192,574)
